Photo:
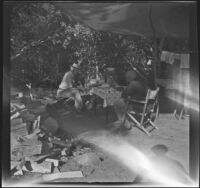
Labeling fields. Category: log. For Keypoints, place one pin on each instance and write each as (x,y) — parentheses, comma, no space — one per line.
(72,174)
(61,143)
(33,134)
(42,157)
(18,105)
(45,167)
(17,114)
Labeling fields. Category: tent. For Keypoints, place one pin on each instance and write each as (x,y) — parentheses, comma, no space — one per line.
(150,19)
(167,19)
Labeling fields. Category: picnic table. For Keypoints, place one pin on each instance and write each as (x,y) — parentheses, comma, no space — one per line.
(109,95)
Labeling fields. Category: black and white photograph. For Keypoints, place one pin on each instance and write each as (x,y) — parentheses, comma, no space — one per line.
(100,93)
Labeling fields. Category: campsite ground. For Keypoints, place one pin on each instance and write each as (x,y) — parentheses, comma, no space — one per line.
(172,132)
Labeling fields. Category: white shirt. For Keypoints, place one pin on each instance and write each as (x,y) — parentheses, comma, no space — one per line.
(66,81)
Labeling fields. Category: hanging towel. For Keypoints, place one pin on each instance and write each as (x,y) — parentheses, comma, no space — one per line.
(169,57)
(163,56)
(185,61)
(177,56)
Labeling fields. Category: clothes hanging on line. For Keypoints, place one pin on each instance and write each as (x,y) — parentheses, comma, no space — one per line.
(170,57)
(185,61)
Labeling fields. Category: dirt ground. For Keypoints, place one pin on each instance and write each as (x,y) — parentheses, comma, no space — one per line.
(172,132)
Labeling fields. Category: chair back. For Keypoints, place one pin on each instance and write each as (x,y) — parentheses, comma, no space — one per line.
(152,94)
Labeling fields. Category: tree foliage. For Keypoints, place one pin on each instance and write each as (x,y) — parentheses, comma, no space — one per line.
(45,42)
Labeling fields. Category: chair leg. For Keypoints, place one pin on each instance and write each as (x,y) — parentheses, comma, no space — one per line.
(145,130)
(152,124)
(138,125)
(174,112)
(181,114)
(151,129)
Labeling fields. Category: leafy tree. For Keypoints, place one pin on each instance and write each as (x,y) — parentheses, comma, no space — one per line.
(45,42)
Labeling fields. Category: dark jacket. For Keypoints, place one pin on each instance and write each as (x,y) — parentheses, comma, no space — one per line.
(136,90)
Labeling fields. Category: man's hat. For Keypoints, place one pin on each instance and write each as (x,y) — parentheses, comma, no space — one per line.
(75,66)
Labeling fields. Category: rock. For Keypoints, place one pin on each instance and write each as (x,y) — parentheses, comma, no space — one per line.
(50,125)
(88,159)
(87,170)
(70,165)
(87,162)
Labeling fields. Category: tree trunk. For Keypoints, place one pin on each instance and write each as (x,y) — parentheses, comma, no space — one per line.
(57,68)
(155,51)
(161,44)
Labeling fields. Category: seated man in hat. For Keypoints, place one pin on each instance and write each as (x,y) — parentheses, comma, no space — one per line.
(137,89)
(67,88)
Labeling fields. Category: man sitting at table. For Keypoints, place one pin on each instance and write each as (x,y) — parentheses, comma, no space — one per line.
(68,87)
(137,89)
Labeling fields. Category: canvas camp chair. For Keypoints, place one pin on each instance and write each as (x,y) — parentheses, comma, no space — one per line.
(145,112)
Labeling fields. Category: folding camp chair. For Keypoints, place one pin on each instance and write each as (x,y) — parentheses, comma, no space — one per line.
(142,114)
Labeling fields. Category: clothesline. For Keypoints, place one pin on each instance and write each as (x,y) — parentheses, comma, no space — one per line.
(170,57)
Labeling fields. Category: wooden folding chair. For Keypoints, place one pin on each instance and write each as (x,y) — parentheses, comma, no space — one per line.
(144,116)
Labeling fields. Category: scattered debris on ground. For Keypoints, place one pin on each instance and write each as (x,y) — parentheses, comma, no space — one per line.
(39,147)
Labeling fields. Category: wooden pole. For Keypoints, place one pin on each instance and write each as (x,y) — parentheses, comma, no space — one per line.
(155,52)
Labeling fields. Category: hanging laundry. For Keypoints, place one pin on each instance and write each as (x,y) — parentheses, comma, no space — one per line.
(185,61)
(169,57)
(163,56)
